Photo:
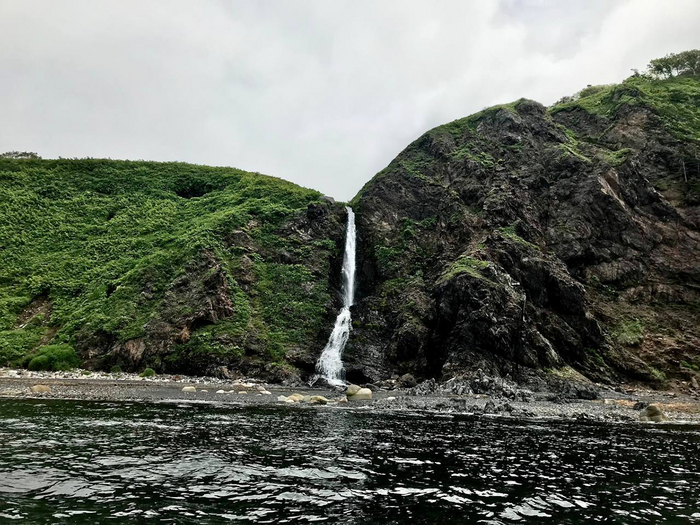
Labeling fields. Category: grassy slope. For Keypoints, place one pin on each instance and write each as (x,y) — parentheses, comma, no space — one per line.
(93,234)
(675,100)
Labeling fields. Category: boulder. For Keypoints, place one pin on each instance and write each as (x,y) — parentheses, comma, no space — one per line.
(266,392)
(361,395)
(221,391)
(11,392)
(352,390)
(296,398)
(40,389)
(318,400)
(282,398)
(652,413)
(189,389)
(407,381)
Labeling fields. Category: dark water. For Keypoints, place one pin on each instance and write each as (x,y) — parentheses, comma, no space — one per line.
(105,462)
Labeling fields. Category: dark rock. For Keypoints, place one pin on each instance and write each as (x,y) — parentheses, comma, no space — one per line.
(221,372)
(407,381)
(427,387)
(499,243)
(490,407)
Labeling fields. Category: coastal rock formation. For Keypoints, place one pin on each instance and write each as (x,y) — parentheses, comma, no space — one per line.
(520,245)
(526,238)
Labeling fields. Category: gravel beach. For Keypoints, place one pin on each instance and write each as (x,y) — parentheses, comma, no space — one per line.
(622,405)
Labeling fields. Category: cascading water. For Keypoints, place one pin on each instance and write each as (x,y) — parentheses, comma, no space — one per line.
(330,364)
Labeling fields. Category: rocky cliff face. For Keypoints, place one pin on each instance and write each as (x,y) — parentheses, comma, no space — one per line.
(524,238)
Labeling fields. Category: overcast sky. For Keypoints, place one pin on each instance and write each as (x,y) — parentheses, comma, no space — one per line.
(320,92)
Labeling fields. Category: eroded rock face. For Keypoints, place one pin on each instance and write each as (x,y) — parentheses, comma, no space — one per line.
(521,239)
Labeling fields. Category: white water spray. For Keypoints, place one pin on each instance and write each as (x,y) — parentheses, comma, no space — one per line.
(330,364)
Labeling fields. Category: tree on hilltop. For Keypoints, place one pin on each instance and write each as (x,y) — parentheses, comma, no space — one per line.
(676,64)
(19,155)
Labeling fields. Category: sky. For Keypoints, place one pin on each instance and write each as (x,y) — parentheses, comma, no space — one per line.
(323,93)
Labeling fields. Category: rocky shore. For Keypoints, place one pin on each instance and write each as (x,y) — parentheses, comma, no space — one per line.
(483,396)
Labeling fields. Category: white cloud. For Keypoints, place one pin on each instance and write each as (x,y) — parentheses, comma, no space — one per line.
(323,93)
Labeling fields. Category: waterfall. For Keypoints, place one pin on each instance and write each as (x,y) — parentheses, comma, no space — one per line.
(330,364)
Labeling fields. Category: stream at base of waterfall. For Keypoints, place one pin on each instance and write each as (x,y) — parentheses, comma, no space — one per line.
(330,364)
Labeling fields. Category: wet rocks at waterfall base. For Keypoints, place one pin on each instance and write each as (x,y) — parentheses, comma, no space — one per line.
(358,394)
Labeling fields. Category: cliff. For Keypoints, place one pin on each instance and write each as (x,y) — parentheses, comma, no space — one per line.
(525,239)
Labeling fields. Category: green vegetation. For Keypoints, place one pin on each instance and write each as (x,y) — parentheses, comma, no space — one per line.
(148,372)
(104,240)
(676,64)
(116,369)
(614,158)
(596,356)
(389,257)
(629,332)
(53,357)
(19,155)
(511,232)
(465,265)
(657,374)
(690,366)
(292,305)
(479,157)
(675,100)
(568,149)
(458,127)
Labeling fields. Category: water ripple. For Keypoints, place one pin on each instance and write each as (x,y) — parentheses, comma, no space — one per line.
(86,463)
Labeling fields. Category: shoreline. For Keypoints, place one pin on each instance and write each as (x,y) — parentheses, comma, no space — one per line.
(615,406)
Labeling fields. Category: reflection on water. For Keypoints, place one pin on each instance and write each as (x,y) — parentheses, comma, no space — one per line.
(63,461)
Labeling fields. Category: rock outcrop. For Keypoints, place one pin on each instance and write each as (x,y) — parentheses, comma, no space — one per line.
(526,238)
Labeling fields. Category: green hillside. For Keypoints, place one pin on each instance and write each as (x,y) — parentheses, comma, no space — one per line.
(92,250)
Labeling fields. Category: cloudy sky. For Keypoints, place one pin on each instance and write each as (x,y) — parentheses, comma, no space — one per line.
(321,92)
